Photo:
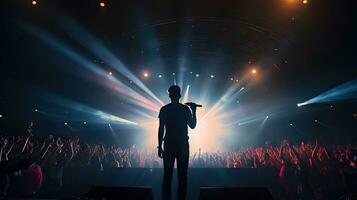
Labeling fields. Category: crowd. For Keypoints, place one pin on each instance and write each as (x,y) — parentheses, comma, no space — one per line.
(29,165)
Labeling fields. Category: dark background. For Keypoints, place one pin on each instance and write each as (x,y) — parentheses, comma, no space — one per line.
(304,50)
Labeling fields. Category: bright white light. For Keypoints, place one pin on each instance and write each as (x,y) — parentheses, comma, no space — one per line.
(66,123)
(0,116)
(173,74)
(197,75)
(160,76)
(212,76)
(34,3)
(110,73)
(109,125)
(237,80)
(84,122)
(300,104)
(291,124)
(316,120)
(36,110)
(267,116)
(146,74)
(114,118)
(101,4)
(232,79)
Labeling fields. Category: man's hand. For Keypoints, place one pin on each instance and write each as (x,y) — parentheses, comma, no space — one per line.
(160,152)
(193,106)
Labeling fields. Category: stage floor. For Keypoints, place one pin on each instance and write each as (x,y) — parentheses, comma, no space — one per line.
(76,183)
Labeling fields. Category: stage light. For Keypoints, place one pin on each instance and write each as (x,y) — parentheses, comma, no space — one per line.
(36,110)
(236,80)
(291,124)
(267,116)
(146,74)
(316,120)
(102,4)
(66,123)
(109,125)
(34,3)
(160,76)
(299,104)
(173,74)
(197,75)
(110,73)
(212,76)
(304,1)
(0,116)
(232,79)
(254,71)
(84,123)
(191,72)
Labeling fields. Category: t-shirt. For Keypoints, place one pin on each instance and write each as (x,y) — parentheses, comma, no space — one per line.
(176,117)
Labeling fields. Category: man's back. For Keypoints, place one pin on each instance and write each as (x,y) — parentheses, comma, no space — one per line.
(175,117)
(173,133)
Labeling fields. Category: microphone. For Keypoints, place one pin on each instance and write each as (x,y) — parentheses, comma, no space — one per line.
(193,104)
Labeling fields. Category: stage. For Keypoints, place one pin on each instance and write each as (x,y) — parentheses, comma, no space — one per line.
(77,183)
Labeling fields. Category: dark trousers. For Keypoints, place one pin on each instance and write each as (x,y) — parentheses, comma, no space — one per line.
(181,155)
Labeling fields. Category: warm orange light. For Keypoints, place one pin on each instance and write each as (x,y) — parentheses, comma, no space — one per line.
(146,74)
(34,3)
(102,4)
(254,71)
(304,1)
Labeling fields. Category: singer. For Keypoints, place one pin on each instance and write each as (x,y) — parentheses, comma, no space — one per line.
(174,119)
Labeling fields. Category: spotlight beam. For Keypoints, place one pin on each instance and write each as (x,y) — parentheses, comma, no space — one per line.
(228,96)
(113,83)
(73,105)
(114,118)
(346,91)
(249,121)
(186,95)
(89,41)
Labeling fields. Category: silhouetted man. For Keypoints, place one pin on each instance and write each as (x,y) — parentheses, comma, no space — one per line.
(174,118)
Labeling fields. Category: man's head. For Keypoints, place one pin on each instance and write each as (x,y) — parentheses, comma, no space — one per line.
(174,92)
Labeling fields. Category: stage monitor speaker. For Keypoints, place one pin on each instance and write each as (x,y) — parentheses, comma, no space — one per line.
(119,193)
(235,193)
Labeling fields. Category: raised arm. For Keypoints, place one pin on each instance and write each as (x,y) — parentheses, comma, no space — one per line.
(192,120)
(314,150)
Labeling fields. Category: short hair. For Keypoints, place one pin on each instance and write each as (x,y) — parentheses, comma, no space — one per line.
(174,91)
